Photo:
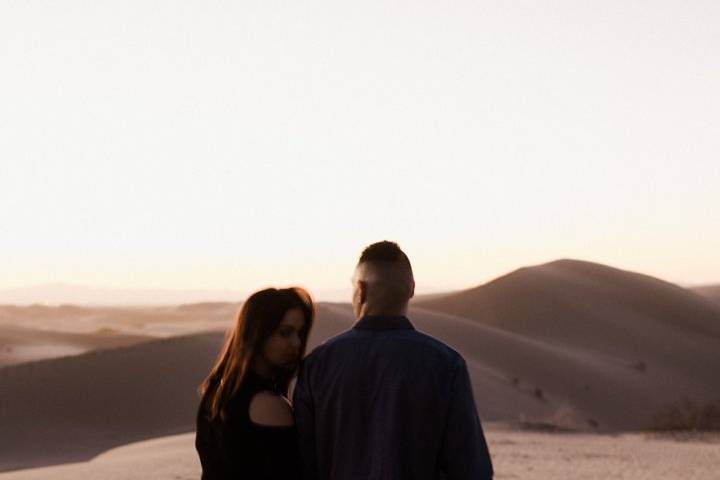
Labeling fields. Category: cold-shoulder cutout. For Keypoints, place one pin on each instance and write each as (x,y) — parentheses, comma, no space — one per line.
(270,410)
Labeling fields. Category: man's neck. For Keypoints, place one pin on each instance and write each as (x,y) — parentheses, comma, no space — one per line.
(382,312)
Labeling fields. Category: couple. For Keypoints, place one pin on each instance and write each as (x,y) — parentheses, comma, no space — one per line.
(380,401)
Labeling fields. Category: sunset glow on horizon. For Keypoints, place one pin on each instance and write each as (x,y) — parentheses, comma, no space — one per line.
(233,146)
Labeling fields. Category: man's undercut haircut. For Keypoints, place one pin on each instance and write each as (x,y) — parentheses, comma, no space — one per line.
(388,275)
(385,251)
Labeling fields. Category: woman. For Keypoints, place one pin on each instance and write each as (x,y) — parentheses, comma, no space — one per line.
(245,427)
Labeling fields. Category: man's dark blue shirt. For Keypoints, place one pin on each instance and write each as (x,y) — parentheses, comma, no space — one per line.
(384,401)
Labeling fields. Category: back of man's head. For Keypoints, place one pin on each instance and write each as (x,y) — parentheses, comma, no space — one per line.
(383,280)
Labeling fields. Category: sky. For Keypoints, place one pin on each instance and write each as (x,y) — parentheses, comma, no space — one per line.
(235,145)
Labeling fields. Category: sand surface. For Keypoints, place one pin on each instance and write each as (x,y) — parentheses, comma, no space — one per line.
(516,455)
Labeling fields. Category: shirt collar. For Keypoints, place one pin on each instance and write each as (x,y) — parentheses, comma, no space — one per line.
(384,322)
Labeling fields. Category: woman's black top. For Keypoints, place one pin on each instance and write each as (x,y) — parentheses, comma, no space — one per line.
(240,449)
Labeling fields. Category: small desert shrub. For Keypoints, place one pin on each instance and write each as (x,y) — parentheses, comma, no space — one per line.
(688,415)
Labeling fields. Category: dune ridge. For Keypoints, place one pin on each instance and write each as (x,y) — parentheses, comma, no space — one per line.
(709,291)
(605,344)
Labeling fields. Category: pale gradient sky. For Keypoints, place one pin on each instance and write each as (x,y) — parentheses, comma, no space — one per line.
(233,145)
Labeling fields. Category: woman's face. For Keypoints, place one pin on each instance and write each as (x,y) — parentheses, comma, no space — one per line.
(282,349)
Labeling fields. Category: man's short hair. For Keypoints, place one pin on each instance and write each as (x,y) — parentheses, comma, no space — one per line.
(387,272)
(385,251)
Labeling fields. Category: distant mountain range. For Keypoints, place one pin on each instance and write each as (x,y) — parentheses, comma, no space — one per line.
(69,294)
(61,293)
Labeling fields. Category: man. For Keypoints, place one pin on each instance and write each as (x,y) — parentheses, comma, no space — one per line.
(383,401)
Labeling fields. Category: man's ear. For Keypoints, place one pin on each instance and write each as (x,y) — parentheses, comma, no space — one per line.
(362,288)
(412,289)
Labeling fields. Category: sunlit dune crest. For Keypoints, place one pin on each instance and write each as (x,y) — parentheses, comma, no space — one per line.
(709,291)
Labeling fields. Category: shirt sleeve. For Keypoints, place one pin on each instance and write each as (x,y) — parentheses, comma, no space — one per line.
(304,411)
(464,453)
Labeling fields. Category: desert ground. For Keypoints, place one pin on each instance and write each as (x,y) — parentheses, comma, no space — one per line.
(573,364)
(516,455)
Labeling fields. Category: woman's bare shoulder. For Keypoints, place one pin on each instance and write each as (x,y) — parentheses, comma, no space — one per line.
(268,409)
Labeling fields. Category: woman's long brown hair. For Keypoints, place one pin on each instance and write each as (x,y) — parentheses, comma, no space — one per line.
(257,319)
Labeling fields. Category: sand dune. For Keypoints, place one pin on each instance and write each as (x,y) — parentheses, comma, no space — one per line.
(516,377)
(710,291)
(151,321)
(167,458)
(38,332)
(21,344)
(571,301)
(71,409)
(586,306)
(568,344)
(612,346)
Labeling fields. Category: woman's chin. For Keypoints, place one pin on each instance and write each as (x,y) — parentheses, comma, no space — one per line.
(288,366)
